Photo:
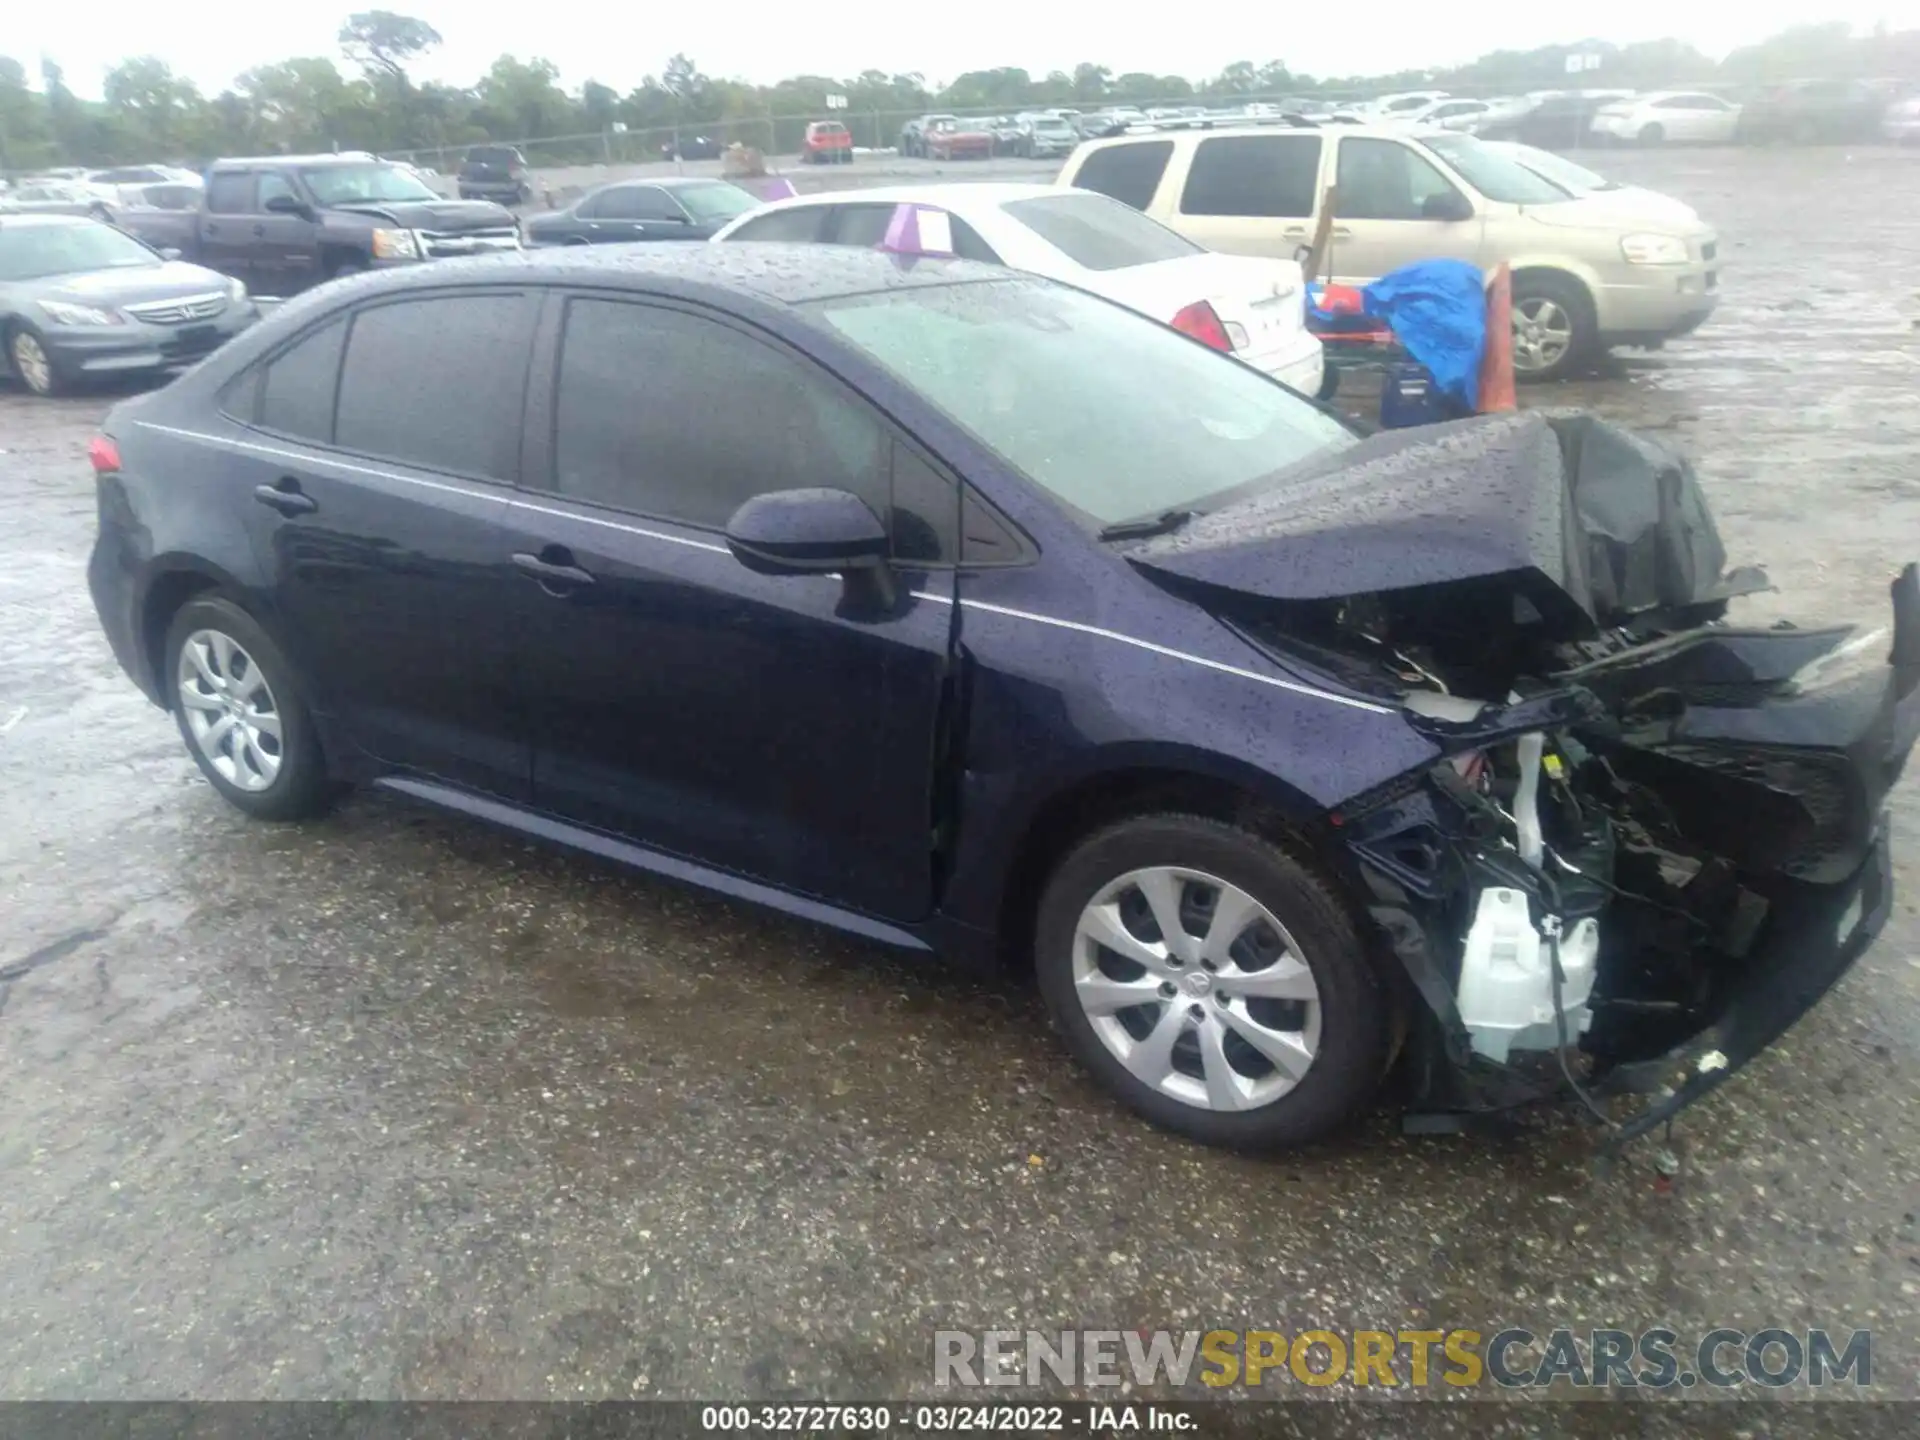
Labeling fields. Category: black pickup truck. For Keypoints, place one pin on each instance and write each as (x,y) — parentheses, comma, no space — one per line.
(285,222)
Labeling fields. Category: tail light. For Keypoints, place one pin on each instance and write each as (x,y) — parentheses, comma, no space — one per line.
(103,455)
(1199,321)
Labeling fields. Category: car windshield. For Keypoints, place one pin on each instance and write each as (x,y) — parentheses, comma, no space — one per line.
(30,252)
(717,201)
(1116,416)
(358,184)
(1493,174)
(1574,179)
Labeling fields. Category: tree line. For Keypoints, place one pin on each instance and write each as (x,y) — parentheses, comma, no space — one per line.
(147,112)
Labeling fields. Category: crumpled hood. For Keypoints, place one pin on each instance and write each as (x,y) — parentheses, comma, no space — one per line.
(1592,523)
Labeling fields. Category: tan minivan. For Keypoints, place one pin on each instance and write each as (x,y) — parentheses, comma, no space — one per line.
(1589,272)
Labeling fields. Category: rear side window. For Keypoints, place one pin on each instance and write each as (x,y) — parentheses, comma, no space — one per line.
(1099,233)
(231,193)
(438,383)
(635,425)
(1129,173)
(802,223)
(1267,176)
(297,388)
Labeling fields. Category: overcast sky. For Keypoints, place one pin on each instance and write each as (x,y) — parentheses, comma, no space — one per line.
(211,41)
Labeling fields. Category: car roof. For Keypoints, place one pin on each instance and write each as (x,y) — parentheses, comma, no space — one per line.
(1385,132)
(665,182)
(959,196)
(769,272)
(242,161)
(14,222)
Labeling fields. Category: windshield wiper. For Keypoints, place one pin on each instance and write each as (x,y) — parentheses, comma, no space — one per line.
(1164,523)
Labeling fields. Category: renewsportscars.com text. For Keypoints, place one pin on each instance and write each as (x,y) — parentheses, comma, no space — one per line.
(1656,1359)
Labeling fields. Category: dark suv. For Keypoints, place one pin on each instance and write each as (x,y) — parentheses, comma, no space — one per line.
(827,581)
(497,173)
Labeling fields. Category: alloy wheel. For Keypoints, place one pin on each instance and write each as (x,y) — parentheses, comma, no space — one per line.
(1196,989)
(31,364)
(230,710)
(1542,334)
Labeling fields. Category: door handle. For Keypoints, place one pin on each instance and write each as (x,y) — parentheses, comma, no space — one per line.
(553,566)
(260,229)
(1342,232)
(285,496)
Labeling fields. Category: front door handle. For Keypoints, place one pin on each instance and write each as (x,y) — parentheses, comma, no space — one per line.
(260,229)
(553,567)
(285,496)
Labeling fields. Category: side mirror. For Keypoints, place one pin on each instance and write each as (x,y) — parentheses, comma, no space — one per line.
(1448,205)
(807,532)
(171,252)
(288,205)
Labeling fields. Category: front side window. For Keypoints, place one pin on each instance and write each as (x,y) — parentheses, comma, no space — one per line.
(438,383)
(1385,180)
(636,424)
(273,185)
(1271,176)
(634,202)
(230,193)
(1167,423)
(715,201)
(1129,173)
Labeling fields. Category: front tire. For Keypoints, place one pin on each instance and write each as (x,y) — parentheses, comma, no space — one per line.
(1653,134)
(1554,328)
(27,354)
(242,712)
(1212,982)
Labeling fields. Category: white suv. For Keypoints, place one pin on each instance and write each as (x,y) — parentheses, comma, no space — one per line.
(1588,272)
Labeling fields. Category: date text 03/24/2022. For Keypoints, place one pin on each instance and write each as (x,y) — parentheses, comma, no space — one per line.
(946,1418)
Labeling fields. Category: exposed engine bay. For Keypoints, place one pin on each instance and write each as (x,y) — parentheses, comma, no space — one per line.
(1652,837)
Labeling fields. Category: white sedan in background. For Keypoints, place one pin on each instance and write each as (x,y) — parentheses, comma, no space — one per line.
(1683,117)
(1255,309)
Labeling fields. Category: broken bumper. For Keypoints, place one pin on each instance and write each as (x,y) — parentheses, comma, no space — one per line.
(1814,936)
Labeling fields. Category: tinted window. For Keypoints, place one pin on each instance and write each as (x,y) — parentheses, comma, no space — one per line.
(438,383)
(1272,176)
(296,390)
(800,223)
(231,193)
(866,225)
(273,183)
(1129,173)
(637,418)
(926,510)
(1385,180)
(1098,232)
(635,202)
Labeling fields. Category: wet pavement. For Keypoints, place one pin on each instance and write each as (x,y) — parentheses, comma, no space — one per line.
(391,1105)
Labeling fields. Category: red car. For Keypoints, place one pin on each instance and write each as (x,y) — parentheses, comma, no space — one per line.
(828,142)
(960,139)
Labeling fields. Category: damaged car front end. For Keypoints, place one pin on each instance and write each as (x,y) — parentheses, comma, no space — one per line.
(1652,838)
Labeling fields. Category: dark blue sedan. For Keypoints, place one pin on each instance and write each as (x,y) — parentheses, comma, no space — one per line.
(980,616)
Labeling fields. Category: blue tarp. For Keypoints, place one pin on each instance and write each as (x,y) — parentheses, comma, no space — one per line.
(1438,311)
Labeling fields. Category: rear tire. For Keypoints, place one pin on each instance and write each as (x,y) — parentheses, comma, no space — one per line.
(1259,1069)
(231,689)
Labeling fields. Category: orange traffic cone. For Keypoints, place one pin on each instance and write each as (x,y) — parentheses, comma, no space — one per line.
(1496,364)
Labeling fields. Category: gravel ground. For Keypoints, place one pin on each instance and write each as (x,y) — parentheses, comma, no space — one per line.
(393,1106)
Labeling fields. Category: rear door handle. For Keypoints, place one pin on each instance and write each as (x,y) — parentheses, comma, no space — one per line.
(260,229)
(285,496)
(553,566)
